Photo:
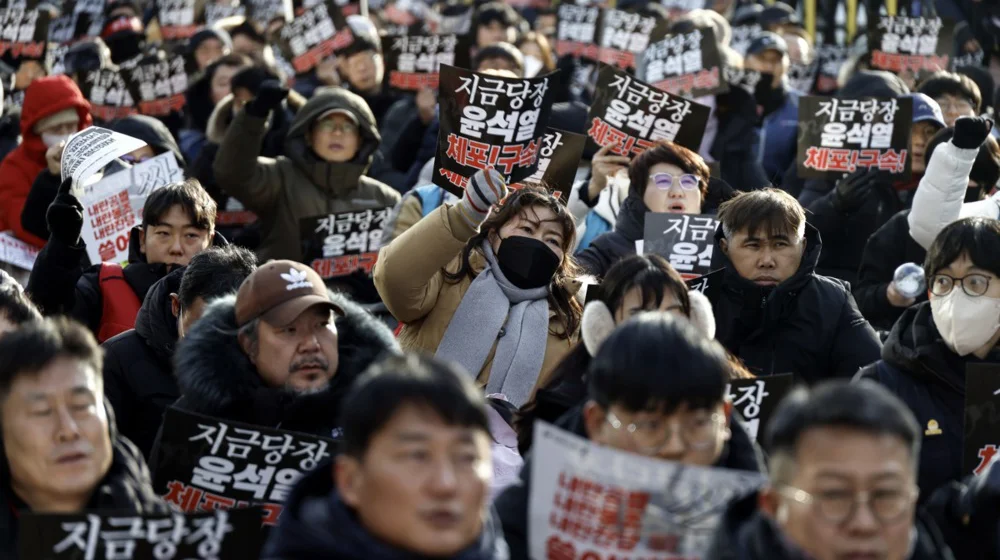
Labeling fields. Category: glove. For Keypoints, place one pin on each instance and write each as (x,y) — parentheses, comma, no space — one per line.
(971,132)
(269,96)
(851,191)
(485,189)
(65,216)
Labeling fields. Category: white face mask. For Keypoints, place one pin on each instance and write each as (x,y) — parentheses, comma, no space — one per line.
(966,323)
(50,139)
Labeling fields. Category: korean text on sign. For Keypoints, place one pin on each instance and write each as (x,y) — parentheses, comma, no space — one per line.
(685,64)
(312,36)
(413,60)
(624,35)
(23,32)
(341,244)
(756,399)
(576,31)
(687,241)
(914,44)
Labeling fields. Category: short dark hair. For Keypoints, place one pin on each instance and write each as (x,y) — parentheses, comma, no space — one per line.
(666,152)
(770,209)
(37,344)
(651,274)
(502,50)
(655,361)
(397,381)
(985,170)
(863,405)
(943,83)
(979,238)
(494,11)
(15,305)
(189,195)
(215,272)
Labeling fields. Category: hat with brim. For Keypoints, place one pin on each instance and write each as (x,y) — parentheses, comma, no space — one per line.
(767,41)
(279,291)
(345,112)
(289,311)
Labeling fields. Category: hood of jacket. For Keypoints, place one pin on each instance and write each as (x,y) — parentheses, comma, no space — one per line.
(152,132)
(915,347)
(332,176)
(316,523)
(214,374)
(44,97)
(155,323)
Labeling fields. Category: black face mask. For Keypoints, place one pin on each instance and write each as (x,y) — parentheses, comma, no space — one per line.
(768,97)
(527,262)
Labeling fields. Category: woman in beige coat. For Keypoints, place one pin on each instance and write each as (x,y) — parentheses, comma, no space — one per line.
(489,288)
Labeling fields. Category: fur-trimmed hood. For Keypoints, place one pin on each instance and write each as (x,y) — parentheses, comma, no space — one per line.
(222,117)
(217,378)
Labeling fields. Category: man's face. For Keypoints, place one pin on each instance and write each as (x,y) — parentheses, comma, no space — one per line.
(335,138)
(55,433)
(186,316)
(301,356)
(208,52)
(363,70)
(834,465)
(492,33)
(765,260)
(920,135)
(689,436)
(421,485)
(954,107)
(174,239)
(771,62)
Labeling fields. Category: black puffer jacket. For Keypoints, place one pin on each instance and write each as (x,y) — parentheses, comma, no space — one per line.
(317,524)
(808,325)
(137,376)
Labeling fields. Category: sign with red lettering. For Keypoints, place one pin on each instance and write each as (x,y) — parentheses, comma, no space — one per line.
(982,416)
(915,45)
(341,244)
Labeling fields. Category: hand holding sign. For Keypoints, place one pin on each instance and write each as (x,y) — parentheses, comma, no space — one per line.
(65,216)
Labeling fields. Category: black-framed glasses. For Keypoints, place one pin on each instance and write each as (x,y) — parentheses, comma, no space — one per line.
(698,432)
(975,285)
(839,506)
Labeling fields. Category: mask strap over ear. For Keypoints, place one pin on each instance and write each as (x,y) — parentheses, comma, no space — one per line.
(597,324)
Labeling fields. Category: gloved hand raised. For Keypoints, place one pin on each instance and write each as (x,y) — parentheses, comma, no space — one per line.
(851,191)
(65,216)
(971,132)
(269,96)
(485,189)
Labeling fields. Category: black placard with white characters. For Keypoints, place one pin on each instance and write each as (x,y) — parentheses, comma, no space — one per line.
(686,240)
(558,159)
(623,36)
(263,11)
(338,245)
(576,30)
(743,35)
(412,62)
(632,115)
(687,64)
(756,399)
(837,136)
(314,35)
(159,85)
(709,284)
(109,95)
(982,417)
(802,77)
(222,535)
(918,45)
(489,122)
(23,32)
(831,58)
(177,18)
(742,78)
(215,12)
(681,6)
(206,463)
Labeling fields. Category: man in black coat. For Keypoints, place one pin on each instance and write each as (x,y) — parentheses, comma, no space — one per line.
(773,311)
(138,377)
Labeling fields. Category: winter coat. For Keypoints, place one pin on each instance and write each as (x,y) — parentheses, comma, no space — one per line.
(737,135)
(594,217)
(409,275)
(747,534)
(415,204)
(740,453)
(44,97)
(138,380)
(127,489)
(886,249)
(808,325)
(779,137)
(298,185)
(924,373)
(402,132)
(316,523)
(940,199)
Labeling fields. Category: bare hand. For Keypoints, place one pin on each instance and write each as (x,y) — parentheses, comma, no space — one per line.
(426,103)
(897,299)
(53,158)
(604,165)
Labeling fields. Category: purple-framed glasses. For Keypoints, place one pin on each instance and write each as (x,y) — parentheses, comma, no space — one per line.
(664,181)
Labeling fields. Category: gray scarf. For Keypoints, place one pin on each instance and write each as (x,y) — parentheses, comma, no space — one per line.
(494,310)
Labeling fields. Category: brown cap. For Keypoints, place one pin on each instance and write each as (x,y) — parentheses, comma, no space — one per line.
(279,291)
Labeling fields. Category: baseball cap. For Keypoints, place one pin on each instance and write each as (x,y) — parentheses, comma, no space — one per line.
(926,109)
(279,291)
(777,14)
(346,112)
(767,41)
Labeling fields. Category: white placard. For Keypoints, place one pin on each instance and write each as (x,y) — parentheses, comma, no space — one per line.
(92,148)
(16,252)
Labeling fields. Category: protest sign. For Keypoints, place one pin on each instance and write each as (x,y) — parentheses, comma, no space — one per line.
(159,85)
(686,64)
(206,463)
(682,6)
(412,62)
(592,501)
(757,399)
(61,29)
(12,101)
(802,77)
(746,80)
(89,150)
(576,31)
(831,57)
(108,94)
(23,32)
(215,12)
(918,45)
(177,18)
(982,416)
(710,284)
(263,11)
(974,58)
(743,35)
(558,159)
(632,115)
(623,35)
(837,136)
(221,535)
(337,245)
(686,240)
(313,35)
(15,252)
(489,121)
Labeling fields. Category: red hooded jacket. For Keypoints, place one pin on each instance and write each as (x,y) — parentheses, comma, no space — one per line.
(44,97)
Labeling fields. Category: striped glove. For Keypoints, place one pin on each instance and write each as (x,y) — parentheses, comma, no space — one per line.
(485,189)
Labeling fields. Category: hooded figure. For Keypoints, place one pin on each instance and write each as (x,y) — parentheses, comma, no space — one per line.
(44,98)
(151,131)
(300,184)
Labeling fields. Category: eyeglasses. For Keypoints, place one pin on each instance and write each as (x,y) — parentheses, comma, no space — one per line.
(129,158)
(664,181)
(342,127)
(973,284)
(698,433)
(955,105)
(838,507)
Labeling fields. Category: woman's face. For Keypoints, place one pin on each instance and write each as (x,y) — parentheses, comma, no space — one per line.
(631,304)
(221,80)
(536,222)
(530,48)
(671,189)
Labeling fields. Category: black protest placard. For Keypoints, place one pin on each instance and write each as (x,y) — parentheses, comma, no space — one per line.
(831,58)
(686,240)
(62,28)
(337,245)
(177,18)
(802,77)
(489,122)
(982,416)
(632,115)
(623,35)
(743,35)
(262,12)
(158,85)
(756,399)
(412,62)
(314,35)
(710,284)
(108,94)
(576,30)
(23,32)
(233,535)
(742,78)
(682,6)
(214,12)
(686,64)
(837,136)
(918,45)
(207,464)
(558,159)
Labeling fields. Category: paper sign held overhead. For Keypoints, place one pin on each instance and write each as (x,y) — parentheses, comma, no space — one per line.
(89,150)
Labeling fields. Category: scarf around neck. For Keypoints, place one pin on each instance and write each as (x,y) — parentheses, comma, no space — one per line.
(493,310)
